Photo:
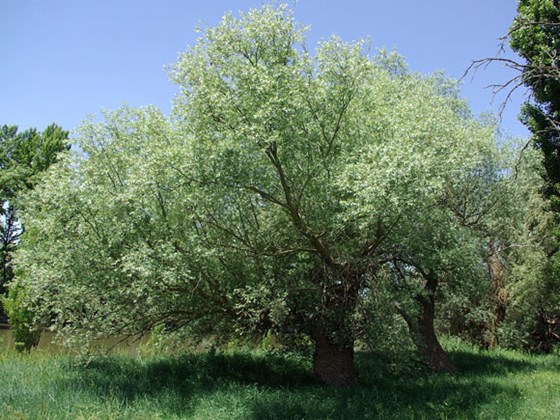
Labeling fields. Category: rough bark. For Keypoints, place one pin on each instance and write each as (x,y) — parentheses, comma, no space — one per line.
(430,348)
(546,334)
(423,332)
(333,364)
(333,334)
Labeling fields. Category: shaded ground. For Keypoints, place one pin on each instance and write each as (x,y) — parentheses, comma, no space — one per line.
(268,386)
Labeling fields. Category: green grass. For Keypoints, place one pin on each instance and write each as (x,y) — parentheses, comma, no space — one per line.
(244,385)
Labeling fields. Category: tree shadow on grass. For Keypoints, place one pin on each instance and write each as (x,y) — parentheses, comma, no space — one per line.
(173,382)
(399,400)
(276,386)
(488,363)
(405,392)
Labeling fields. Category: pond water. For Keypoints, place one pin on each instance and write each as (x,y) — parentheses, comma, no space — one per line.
(7,340)
(47,342)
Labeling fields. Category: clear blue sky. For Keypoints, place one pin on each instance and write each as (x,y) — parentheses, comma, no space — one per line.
(65,59)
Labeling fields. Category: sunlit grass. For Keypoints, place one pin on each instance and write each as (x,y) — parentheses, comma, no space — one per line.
(259,385)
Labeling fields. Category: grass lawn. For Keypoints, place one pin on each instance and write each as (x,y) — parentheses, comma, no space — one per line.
(256,385)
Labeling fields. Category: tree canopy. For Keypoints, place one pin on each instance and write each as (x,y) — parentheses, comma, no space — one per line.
(535,37)
(282,188)
(24,156)
(533,268)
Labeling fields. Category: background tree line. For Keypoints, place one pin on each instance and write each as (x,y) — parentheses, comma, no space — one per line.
(535,38)
(24,156)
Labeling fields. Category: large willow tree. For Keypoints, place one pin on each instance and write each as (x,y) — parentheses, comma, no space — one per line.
(267,202)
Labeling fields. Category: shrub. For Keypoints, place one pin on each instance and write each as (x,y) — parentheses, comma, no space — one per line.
(21,319)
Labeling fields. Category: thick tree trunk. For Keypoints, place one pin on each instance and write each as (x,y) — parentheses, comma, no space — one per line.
(333,331)
(423,333)
(333,364)
(426,340)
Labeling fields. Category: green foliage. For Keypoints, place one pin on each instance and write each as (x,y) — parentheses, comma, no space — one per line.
(281,187)
(385,332)
(532,279)
(26,334)
(338,125)
(534,36)
(24,157)
(10,231)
